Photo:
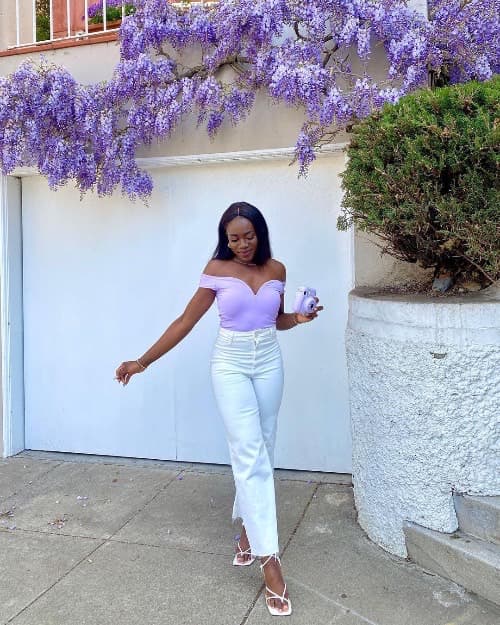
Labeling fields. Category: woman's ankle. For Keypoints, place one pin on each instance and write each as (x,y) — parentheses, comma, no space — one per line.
(243,540)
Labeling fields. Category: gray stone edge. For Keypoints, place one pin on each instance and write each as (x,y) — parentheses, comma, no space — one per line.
(461,321)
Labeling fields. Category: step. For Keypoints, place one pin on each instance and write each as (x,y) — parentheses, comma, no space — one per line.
(479,516)
(468,561)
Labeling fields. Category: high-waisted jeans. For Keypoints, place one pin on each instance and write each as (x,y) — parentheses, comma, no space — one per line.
(247,377)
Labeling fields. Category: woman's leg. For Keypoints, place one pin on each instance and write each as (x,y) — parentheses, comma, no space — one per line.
(268,385)
(243,551)
(249,398)
(252,470)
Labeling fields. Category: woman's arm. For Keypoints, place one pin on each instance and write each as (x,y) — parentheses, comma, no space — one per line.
(181,327)
(286,321)
(176,331)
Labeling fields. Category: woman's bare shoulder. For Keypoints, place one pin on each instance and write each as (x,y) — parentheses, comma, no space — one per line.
(278,269)
(216,268)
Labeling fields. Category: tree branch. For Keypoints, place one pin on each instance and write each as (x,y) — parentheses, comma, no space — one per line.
(329,55)
(203,71)
(297,32)
(478,267)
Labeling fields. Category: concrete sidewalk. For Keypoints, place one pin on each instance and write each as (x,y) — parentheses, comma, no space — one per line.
(111,541)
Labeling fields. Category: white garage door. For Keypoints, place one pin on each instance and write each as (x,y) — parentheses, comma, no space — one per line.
(104,277)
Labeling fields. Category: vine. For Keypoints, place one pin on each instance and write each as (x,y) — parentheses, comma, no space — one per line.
(311,54)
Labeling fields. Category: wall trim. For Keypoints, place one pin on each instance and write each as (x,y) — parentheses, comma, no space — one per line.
(158,162)
(11,317)
(233,157)
(4,325)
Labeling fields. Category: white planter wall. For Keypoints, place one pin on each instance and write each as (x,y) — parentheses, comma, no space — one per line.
(425,395)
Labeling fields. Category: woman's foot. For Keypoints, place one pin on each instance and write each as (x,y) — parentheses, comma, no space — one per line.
(277,599)
(243,555)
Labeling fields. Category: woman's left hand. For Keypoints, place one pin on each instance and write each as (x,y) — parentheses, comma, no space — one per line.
(305,318)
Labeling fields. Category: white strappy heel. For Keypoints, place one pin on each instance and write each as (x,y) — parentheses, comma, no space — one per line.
(272,595)
(247,552)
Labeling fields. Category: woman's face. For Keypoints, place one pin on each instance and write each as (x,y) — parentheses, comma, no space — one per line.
(242,239)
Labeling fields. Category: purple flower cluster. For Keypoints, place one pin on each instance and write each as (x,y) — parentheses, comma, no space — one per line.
(465,42)
(312,54)
(96,8)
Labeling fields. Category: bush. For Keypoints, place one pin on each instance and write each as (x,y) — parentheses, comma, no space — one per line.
(423,176)
(42,20)
(42,27)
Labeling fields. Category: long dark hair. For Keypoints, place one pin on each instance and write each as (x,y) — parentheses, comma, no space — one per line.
(253,214)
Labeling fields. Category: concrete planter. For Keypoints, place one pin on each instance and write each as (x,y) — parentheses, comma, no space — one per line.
(424,376)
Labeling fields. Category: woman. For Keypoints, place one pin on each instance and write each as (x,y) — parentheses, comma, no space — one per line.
(247,376)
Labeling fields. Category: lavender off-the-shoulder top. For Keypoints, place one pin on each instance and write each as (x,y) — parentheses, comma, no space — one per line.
(240,308)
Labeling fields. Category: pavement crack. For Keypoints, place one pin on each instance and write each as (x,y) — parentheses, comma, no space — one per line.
(301,518)
(31,483)
(144,505)
(294,531)
(345,609)
(87,555)
(252,605)
(169,547)
(29,530)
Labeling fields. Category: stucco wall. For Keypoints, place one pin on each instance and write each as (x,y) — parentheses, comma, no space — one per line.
(8,24)
(424,379)
(375,269)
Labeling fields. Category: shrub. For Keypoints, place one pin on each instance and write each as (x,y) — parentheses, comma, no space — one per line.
(42,28)
(423,176)
(42,20)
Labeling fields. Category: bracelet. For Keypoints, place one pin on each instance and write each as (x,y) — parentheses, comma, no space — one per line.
(141,365)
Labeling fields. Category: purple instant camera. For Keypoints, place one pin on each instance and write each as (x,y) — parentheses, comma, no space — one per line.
(305,300)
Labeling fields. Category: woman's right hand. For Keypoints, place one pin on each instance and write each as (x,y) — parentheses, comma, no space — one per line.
(126,370)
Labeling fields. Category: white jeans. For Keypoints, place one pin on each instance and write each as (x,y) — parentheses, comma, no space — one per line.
(247,377)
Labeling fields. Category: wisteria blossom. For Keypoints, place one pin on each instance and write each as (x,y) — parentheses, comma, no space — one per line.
(96,8)
(316,55)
